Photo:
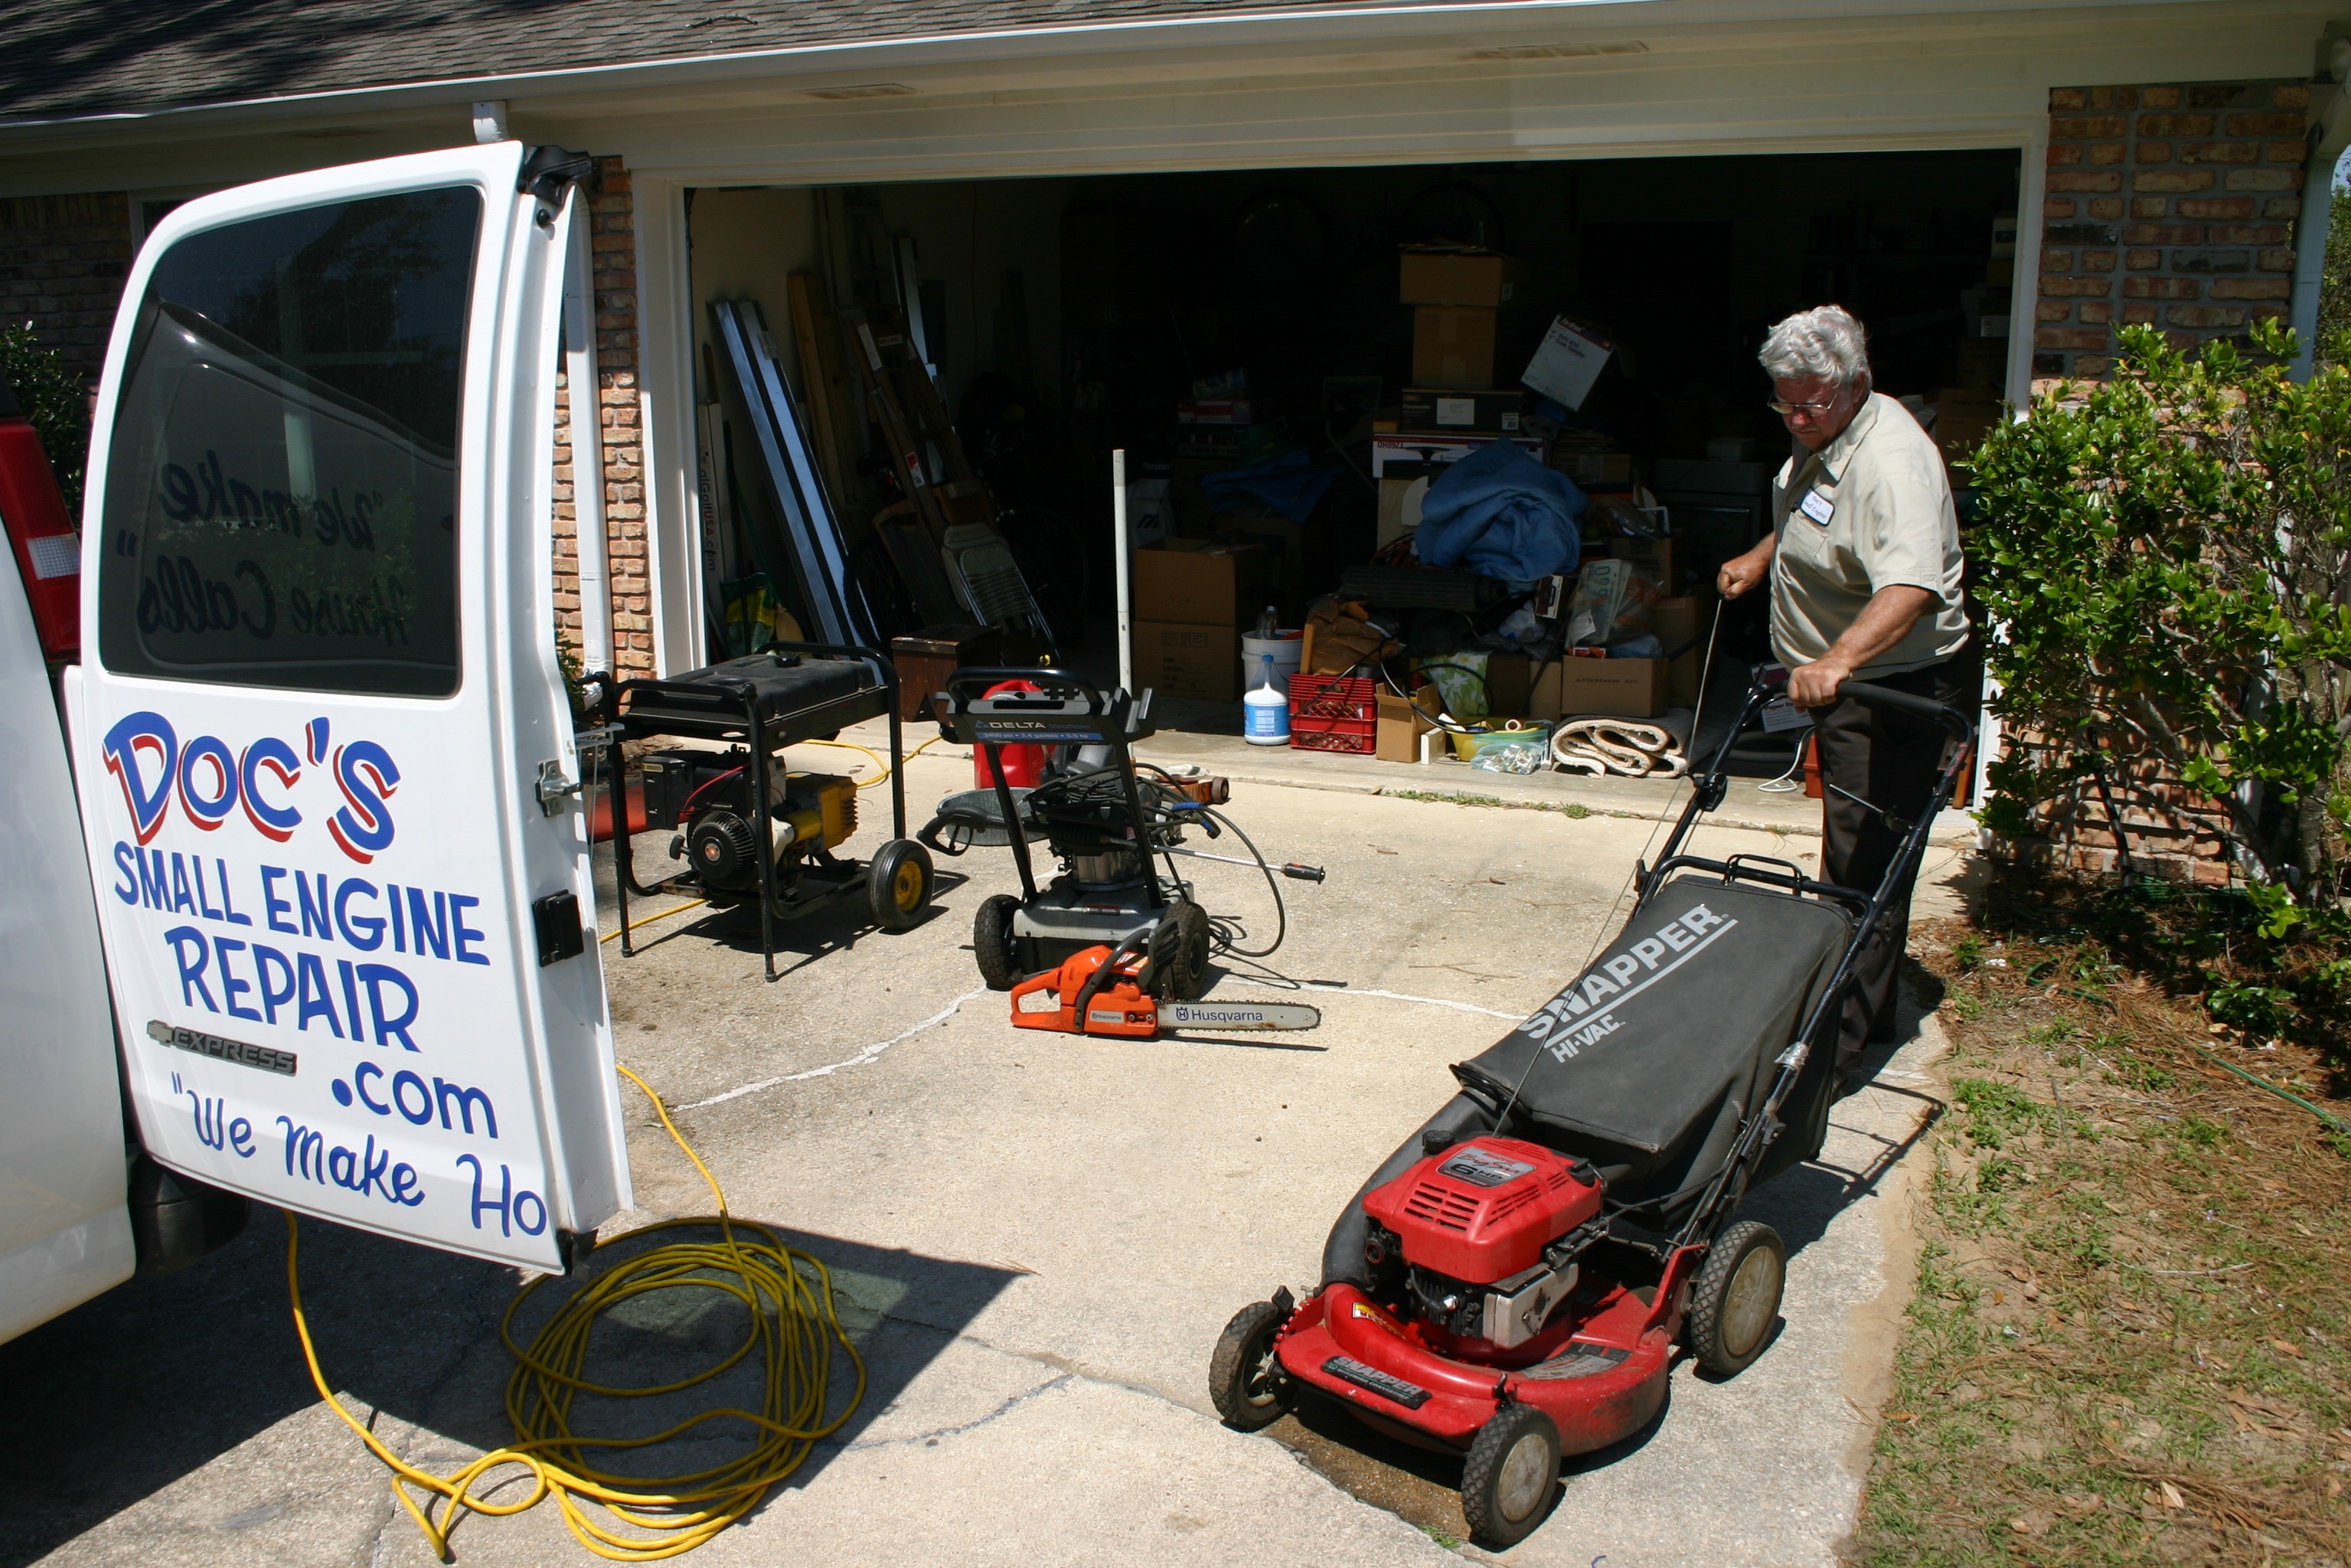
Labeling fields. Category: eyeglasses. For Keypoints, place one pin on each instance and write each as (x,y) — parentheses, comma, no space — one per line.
(1815,409)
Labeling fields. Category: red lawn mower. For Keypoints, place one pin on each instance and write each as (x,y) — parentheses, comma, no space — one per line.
(1512,1284)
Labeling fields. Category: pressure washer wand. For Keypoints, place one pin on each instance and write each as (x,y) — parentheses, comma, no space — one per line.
(1293,870)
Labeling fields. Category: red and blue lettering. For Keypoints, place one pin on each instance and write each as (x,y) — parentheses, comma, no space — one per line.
(368,778)
(274,756)
(131,734)
(207,811)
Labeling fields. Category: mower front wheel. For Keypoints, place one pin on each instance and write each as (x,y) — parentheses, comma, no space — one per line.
(898,885)
(1245,1378)
(1735,1301)
(993,944)
(1513,1471)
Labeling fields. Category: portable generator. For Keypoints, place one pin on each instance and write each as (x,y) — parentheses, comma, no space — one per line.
(705,799)
(720,801)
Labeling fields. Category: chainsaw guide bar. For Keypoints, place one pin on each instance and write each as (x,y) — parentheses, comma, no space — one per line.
(1237,1015)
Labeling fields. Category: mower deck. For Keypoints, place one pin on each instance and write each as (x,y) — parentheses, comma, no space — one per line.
(1598,1371)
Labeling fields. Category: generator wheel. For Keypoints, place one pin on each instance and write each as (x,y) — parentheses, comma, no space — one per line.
(1245,1378)
(1511,1473)
(1179,953)
(1735,1301)
(993,944)
(898,885)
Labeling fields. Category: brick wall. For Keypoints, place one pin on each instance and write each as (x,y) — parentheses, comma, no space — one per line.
(613,238)
(2168,830)
(2172,206)
(62,263)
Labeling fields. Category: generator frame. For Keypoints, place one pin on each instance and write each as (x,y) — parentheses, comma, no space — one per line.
(732,712)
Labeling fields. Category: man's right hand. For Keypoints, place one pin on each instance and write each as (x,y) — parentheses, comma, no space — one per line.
(1742,573)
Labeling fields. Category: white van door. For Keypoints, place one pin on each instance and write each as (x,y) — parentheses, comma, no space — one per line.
(320,732)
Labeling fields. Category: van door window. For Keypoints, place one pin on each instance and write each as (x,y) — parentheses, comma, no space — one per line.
(281,498)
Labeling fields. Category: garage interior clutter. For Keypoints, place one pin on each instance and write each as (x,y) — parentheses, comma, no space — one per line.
(1429,464)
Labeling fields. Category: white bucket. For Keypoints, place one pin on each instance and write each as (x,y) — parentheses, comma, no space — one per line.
(1288,651)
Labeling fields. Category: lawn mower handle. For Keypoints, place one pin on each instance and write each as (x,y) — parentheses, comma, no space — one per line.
(1874,695)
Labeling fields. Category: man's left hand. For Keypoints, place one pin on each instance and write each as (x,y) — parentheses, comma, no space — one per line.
(1817,684)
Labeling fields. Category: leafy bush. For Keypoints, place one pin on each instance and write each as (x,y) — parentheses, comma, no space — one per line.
(2168,558)
(52,398)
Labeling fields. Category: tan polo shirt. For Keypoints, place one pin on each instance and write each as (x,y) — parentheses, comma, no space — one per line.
(1871,509)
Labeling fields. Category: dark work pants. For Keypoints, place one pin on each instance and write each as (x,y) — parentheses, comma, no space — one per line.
(1893,762)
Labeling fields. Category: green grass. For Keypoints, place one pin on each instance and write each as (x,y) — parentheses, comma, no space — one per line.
(2130,1341)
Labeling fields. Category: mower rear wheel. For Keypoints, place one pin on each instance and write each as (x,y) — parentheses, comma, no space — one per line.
(993,944)
(1245,1378)
(1179,953)
(1511,1473)
(1735,1300)
(898,885)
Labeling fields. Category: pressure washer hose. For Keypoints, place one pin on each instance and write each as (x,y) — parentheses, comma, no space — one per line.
(794,1326)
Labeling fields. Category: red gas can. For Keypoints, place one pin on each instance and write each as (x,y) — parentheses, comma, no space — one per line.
(1024,764)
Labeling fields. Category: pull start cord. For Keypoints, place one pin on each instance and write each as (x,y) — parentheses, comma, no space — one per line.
(794,1327)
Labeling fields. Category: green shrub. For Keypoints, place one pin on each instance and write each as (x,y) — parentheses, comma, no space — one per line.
(53,400)
(2168,560)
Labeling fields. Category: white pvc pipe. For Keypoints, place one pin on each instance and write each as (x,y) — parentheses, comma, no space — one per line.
(1125,568)
(587,442)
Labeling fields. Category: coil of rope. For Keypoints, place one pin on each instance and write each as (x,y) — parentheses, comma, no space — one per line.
(794,1326)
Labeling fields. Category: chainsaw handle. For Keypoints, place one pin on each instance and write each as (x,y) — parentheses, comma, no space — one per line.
(1107,971)
(1298,873)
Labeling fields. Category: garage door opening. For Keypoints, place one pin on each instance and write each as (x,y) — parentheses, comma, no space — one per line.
(1269,352)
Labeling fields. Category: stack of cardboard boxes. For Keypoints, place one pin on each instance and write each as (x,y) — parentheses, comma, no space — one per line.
(1193,600)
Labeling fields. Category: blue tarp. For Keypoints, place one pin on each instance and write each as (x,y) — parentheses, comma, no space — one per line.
(1291,483)
(1500,512)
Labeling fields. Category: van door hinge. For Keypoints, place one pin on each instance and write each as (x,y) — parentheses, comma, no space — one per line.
(553,785)
(548,171)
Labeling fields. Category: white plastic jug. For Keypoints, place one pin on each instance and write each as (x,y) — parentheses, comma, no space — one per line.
(1265,711)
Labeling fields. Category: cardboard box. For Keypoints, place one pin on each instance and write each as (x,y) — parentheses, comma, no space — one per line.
(1653,558)
(1983,363)
(1283,541)
(1442,409)
(1453,345)
(1400,502)
(1679,622)
(1964,416)
(1202,582)
(1184,661)
(1614,688)
(1398,728)
(1595,467)
(1568,362)
(1480,277)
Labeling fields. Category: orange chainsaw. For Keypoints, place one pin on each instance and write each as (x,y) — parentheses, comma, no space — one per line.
(1104,990)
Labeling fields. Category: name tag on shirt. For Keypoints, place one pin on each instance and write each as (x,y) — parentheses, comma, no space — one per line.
(1817,506)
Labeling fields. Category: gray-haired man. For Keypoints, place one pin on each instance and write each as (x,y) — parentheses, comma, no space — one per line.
(1865,566)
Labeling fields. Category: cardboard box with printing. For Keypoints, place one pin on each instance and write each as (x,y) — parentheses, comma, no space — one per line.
(1613,688)
(1178,660)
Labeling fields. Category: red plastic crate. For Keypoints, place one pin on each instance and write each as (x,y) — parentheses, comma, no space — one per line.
(1332,696)
(1312,732)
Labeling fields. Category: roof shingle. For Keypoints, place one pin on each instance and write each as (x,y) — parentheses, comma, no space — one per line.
(73,58)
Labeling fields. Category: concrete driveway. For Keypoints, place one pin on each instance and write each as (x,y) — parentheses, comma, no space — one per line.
(1036,1239)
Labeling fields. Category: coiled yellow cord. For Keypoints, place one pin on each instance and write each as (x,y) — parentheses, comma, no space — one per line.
(794,1326)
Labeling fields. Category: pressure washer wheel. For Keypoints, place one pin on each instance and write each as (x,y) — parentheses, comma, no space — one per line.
(993,944)
(1179,953)
(898,885)
(1735,1301)
(1511,1473)
(1245,1380)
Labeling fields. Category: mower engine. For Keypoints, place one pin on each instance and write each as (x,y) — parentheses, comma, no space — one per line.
(704,798)
(1487,1234)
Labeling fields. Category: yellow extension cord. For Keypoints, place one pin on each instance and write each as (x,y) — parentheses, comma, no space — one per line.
(797,1341)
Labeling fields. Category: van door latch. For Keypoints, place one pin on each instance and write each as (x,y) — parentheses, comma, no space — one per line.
(553,785)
